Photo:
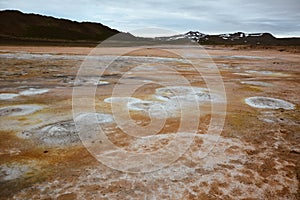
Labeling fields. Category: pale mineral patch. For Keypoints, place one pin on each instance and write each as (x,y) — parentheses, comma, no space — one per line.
(7,96)
(270,103)
(19,110)
(61,133)
(13,171)
(33,91)
(121,100)
(157,109)
(65,132)
(185,93)
(101,118)
(266,73)
(103,83)
(274,116)
(241,74)
(257,83)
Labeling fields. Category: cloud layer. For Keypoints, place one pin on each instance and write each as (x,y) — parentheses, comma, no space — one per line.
(215,16)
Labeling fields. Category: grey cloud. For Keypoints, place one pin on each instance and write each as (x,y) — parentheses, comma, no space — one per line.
(214,16)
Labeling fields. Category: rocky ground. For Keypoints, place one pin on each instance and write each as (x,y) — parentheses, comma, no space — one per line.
(255,156)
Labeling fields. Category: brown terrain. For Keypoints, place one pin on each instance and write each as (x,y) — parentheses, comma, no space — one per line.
(256,156)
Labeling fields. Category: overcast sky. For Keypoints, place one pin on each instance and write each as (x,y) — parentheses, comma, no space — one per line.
(280,17)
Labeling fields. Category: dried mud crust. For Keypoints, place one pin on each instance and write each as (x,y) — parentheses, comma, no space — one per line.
(19,110)
(233,170)
(167,101)
(63,133)
(257,156)
(270,103)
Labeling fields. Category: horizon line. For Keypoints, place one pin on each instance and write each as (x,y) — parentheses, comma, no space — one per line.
(152,35)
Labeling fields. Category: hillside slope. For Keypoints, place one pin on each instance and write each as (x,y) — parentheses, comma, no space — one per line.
(16,26)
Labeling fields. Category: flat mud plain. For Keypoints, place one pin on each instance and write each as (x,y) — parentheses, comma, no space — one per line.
(257,155)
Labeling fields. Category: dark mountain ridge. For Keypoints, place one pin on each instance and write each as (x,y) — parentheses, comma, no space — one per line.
(238,38)
(16,26)
(33,29)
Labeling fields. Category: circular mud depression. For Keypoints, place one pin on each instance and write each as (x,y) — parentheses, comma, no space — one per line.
(183,93)
(269,103)
(62,133)
(19,110)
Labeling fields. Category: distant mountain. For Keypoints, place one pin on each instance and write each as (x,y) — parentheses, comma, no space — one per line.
(238,38)
(191,35)
(33,29)
(16,26)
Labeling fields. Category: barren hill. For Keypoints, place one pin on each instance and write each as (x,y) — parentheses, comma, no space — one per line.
(16,26)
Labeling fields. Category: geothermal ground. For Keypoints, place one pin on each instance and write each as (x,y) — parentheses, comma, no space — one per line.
(255,155)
